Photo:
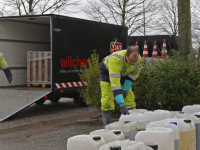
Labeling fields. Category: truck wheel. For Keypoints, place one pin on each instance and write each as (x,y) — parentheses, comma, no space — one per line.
(40,102)
(55,99)
(82,103)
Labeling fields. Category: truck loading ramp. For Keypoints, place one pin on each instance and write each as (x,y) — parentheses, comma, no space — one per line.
(12,101)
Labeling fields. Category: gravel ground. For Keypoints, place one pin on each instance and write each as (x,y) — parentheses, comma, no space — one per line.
(46,127)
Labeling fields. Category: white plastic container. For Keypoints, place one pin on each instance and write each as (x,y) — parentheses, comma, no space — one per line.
(173,113)
(187,137)
(85,142)
(190,109)
(163,114)
(140,118)
(152,116)
(163,137)
(168,125)
(109,135)
(129,129)
(137,111)
(196,121)
(125,145)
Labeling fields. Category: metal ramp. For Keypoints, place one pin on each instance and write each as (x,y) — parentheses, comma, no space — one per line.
(12,101)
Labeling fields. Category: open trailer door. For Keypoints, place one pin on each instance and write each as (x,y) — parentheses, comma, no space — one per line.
(12,101)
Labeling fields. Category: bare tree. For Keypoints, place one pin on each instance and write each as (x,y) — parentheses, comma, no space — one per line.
(122,12)
(195,11)
(167,18)
(27,7)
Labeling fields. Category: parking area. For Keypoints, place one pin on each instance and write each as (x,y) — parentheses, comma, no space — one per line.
(46,127)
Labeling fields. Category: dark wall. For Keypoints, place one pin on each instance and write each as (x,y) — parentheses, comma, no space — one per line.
(171,42)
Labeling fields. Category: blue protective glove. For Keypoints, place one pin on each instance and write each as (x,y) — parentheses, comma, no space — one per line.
(119,99)
(8,74)
(127,85)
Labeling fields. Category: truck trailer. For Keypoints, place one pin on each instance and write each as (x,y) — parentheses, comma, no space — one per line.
(66,42)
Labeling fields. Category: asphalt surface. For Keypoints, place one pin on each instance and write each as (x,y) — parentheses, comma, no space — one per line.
(46,127)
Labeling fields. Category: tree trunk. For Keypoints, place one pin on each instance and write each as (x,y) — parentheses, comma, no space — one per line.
(184,23)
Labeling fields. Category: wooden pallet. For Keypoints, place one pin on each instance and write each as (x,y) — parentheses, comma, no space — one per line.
(44,84)
(38,67)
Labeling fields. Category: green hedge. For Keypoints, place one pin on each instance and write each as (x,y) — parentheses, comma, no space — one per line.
(167,84)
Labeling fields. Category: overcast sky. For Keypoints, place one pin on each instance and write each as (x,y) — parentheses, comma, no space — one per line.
(84,16)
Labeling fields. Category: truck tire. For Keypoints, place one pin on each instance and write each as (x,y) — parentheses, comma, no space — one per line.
(40,102)
(55,99)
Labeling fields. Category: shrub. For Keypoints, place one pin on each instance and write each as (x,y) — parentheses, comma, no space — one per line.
(171,82)
(92,93)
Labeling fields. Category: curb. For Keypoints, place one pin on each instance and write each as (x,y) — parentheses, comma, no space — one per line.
(94,121)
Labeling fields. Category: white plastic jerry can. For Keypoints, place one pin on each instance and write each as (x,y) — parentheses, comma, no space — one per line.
(124,145)
(196,121)
(173,113)
(128,128)
(171,125)
(190,109)
(85,142)
(187,137)
(163,137)
(109,135)
(137,111)
(163,114)
(152,116)
(140,118)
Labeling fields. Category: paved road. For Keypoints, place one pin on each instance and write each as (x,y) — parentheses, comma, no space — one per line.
(46,127)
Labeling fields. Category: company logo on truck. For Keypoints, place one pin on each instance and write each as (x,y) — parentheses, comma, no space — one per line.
(71,62)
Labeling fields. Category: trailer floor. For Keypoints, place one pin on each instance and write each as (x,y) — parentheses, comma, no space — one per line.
(46,127)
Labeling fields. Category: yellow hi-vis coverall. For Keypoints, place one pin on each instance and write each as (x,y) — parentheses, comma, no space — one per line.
(5,68)
(114,71)
(3,63)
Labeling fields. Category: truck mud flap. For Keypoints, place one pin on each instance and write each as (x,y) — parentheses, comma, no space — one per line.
(12,101)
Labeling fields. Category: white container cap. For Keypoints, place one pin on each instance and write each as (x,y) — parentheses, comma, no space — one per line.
(183,127)
(137,117)
(125,145)
(89,142)
(166,125)
(137,111)
(123,126)
(195,119)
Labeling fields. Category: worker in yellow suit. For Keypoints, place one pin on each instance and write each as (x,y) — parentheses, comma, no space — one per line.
(5,68)
(118,71)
